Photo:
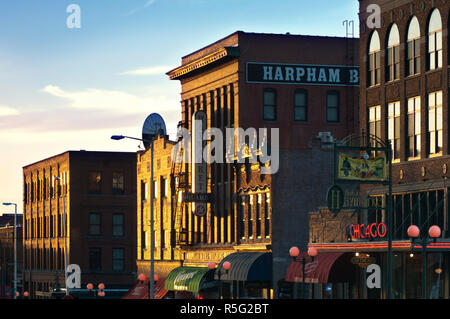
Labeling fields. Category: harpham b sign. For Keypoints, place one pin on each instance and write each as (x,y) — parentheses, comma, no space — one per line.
(306,74)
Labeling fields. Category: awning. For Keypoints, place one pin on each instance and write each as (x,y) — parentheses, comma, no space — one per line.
(141,290)
(190,279)
(246,266)
(326,268)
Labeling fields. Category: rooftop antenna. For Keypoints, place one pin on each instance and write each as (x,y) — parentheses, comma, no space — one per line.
(348,24)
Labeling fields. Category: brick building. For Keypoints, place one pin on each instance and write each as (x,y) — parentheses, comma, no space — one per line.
(98,192)
(7,257)
(166,256)
(404,100)
(251,80)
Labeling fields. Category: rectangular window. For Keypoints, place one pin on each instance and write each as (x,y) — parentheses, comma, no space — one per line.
(300,106)
(394,128)
(258,215)
(414,127)
(394,63)
(95,259)
(118,259)
(250,216)
(118,183)
(435,122)
(333,106)
(375,121)
(144,191)
(435,50)
(94,183)
(269,104)
(163,187)
(413,63)
(118,225)
(241,208)
(95,224)
(267,210)
(374,68)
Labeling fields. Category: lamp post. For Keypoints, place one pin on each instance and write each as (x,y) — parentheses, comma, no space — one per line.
(65,232)
(142,279)
(226,266)
(152,192)
(294,252)
(434,232)
(15,247)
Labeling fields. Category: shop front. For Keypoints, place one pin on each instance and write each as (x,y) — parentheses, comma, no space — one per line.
(249,276)
(191,283)
(409,272)
(141,290)
(326,276)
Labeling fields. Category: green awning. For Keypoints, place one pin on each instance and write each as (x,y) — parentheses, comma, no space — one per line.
(190,279)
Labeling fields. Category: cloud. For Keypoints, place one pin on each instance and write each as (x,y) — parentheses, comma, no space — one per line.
(146,5)
(153,70)
(93,109)
(7,111)
(110,100)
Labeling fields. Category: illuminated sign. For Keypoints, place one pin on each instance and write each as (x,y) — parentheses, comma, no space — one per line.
(359,169)
(369,231)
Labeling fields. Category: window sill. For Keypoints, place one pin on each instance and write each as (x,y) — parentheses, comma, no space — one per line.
(413,158)
(392,81)
(435,155)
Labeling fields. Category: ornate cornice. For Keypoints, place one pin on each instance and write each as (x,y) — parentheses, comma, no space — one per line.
(220,54)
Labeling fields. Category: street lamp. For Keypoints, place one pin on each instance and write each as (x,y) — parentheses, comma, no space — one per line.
(434,232)
(226,266)
(294,252)
(15,247)
(142,279)
(65,231)
(152,239)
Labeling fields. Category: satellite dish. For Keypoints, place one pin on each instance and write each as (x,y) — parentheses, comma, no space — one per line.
(153,126)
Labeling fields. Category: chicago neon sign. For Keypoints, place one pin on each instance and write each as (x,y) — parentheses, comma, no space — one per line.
(369,231)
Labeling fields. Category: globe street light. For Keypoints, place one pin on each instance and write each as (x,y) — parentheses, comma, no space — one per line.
(15,247)
(434,232)
(294,252)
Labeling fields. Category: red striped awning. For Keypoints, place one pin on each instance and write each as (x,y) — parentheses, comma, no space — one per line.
(318,271)
(141,290)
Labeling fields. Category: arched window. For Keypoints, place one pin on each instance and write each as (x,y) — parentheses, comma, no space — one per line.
(413,47)
(435,41)
(374,59)
(393,54)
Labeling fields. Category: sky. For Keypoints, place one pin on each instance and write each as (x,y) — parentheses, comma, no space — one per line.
(70,88)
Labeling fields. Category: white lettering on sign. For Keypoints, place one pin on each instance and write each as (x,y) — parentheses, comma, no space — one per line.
(334,75)
(267,73)
(303,74)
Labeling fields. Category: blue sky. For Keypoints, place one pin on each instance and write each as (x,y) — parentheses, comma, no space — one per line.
(69,89)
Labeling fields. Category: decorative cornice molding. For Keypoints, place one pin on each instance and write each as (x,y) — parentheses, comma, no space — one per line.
(222,53)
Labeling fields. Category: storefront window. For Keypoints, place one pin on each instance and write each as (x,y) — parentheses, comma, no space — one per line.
(435,275)
(413,275)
